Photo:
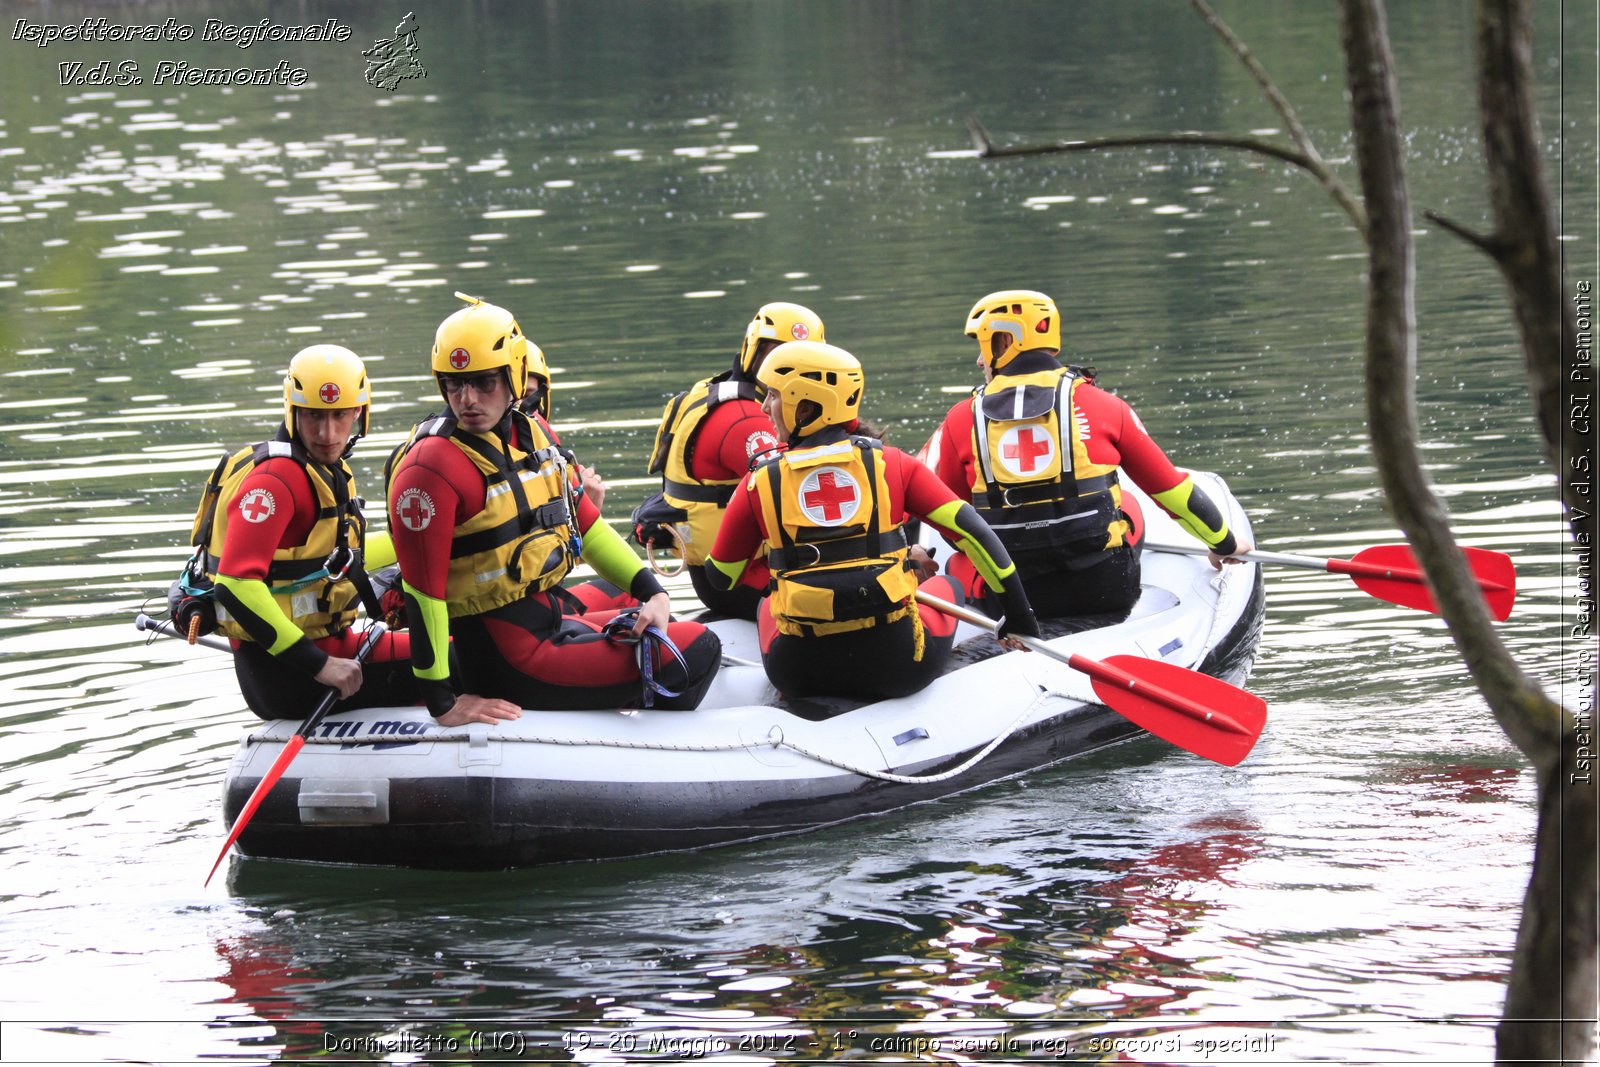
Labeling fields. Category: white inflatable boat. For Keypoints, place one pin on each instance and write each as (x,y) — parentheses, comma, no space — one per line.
(390,787)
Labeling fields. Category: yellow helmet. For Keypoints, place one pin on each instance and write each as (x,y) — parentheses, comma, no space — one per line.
(327,378)
(827,376)
(481,337)
(781,322)
(540,370)
(1029,318)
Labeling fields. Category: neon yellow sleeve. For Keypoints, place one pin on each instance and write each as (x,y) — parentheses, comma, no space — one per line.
(724,575)
(606,551)
(379,551)
(251,603)
(976,541)
(1196,512)
(430,634)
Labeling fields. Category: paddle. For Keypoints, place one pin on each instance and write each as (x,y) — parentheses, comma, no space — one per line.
(1194,711)
(1390,572)
(290,749)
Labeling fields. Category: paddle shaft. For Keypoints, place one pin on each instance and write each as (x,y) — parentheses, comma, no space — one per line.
(1254,556)
(290,750)
(164,628)
(1103,672)
(1352,567)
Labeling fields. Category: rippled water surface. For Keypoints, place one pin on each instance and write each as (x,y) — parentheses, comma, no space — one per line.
(633,180)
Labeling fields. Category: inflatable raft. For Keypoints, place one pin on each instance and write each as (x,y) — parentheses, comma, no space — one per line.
(390,787)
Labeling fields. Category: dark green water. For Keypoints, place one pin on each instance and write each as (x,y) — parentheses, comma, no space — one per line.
(632,180)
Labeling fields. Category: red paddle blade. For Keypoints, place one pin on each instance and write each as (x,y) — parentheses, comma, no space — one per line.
(1390,572)
(1194,711)
(275,772)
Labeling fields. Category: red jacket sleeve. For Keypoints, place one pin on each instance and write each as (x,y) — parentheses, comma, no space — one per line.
(953,443)
(733,434)
(274,508)
(1117,436)
(425,506)
(914,490)
(742,532)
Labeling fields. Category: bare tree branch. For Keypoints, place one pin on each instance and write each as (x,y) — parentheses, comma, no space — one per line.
(1307,158)
(987,149)
(1549,1002)
(1531,259)
(1488,244)
(1313,159)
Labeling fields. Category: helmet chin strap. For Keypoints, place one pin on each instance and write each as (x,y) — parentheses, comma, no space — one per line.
(999,341)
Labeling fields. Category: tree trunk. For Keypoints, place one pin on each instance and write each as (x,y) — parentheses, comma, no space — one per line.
(1556,974)
(1525,246)
(1550,974)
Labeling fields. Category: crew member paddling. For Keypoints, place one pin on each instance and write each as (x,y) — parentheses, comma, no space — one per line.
(830,513)
(488,518)
(1037,450)
(281,546)
(709,437)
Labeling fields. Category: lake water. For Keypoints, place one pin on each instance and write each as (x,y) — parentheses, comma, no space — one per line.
(633,180)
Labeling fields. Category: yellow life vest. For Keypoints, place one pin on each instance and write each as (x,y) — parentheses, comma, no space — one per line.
(839,561)
(703,500)
(310,582)
(1033,482)
(525,538)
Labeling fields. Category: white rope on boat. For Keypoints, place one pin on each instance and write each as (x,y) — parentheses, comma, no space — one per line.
(1219,582)
(775,740)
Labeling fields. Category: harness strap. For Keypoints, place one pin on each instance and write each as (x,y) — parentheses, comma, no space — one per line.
(700,493)
(997,497)
(649,653)
(804,554)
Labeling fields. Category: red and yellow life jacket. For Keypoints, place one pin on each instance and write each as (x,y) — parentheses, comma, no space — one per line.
(1033,481)
(310,582)
(526,535)
(703,499)
(839,562)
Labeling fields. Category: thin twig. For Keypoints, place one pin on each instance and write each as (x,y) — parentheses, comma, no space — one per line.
(1248,144)
(1307,159)
(1314,161)
(1490,245)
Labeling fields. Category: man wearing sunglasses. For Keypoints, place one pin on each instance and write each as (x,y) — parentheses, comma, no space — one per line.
(488,517)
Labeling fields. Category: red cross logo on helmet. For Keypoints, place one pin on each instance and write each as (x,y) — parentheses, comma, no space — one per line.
(799,331)
(460,358)
(329,393)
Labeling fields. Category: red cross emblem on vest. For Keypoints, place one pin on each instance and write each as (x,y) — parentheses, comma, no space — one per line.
(1026,449)
(830,496)
(415,510)
(460,358)
(257,505)
(329,393)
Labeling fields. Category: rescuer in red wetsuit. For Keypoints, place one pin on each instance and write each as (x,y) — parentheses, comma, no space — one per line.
(710,436)
(535,402)
(488,518)
(282,542)
(1037,450)
(830,512)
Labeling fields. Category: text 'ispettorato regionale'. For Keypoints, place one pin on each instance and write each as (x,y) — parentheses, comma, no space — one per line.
(100,30)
